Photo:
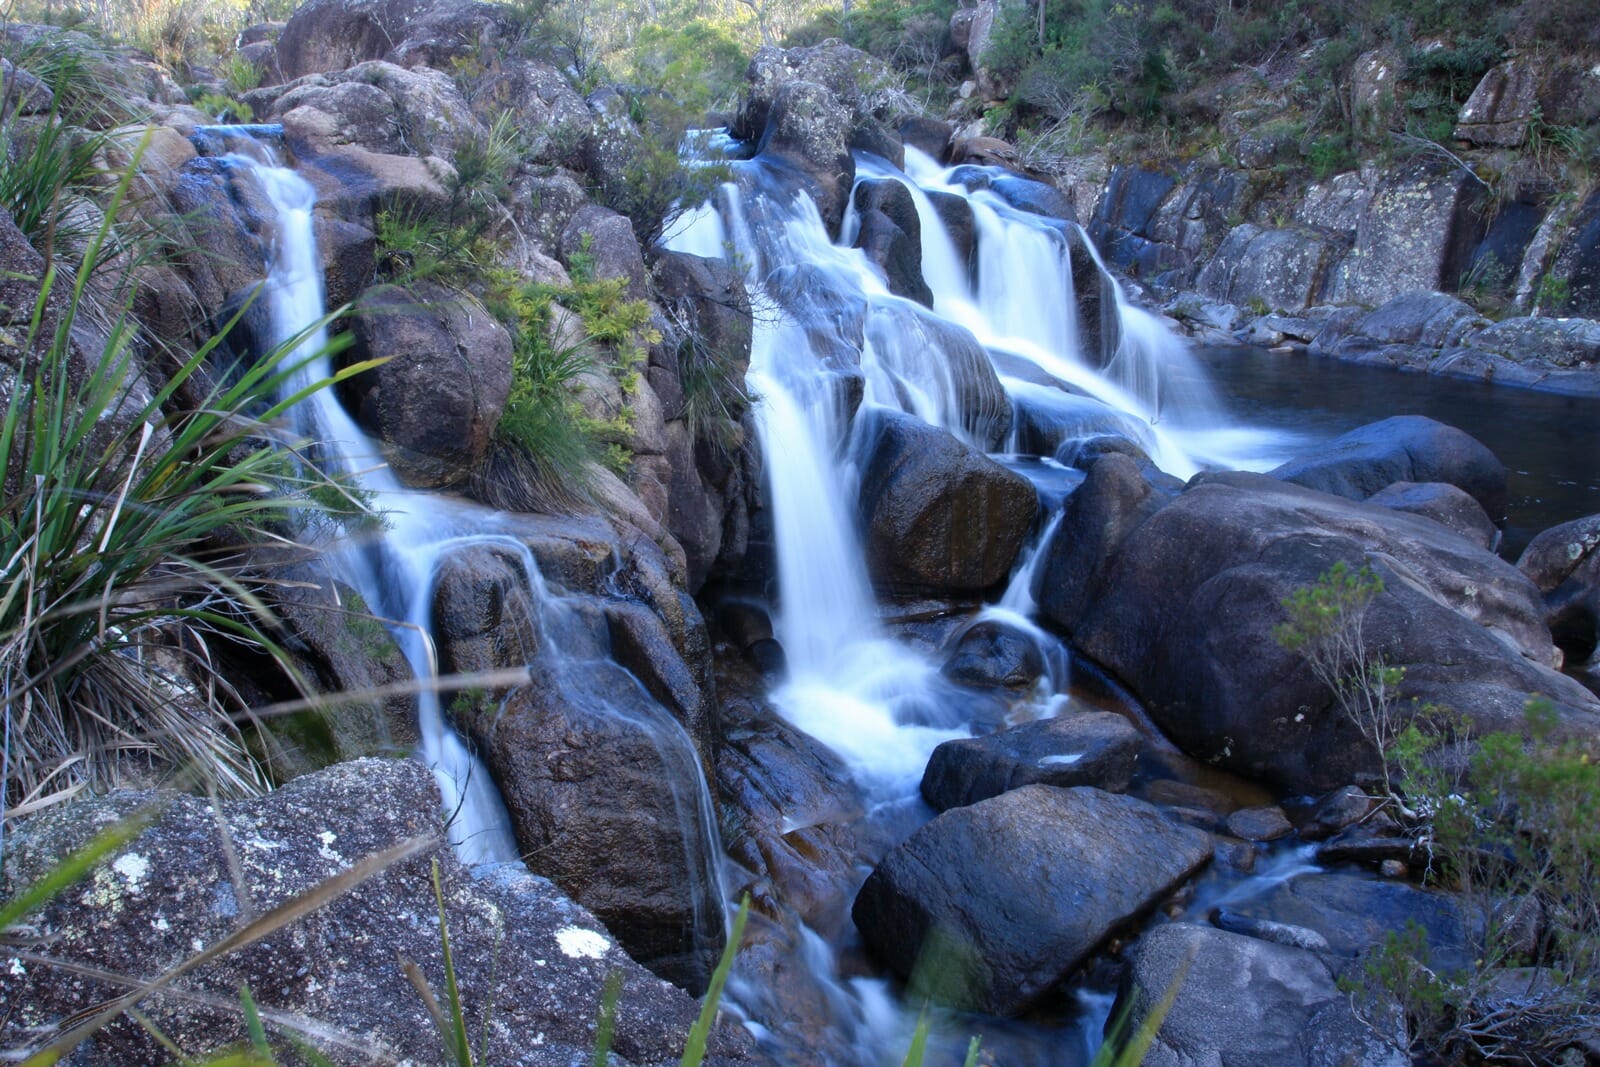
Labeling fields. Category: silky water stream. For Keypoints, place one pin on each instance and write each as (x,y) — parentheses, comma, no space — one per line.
(394,557)
(827,325)
(828,332)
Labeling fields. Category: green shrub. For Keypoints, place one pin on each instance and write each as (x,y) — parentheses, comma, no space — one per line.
(1326,627)
(1517,837)
(125,533)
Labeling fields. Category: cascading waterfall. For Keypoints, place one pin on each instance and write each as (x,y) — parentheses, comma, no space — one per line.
(827,318)
(394,570)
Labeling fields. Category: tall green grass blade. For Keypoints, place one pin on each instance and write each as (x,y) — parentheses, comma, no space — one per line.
(694,1051)
(459,1042)
(605,1026)
(918,1049)
(973,1047)
(252,1021)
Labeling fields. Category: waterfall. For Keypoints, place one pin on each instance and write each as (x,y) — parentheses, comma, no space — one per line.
(394,569)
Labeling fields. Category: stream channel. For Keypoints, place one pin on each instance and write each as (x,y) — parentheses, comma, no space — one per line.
(1002,361)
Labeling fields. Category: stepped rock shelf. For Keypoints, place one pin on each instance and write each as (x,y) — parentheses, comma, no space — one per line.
(951,644)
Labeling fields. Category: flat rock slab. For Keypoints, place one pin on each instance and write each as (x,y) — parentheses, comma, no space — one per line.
(1096,749)
(1242,1002)
(532,965)
(1356,914)
(1007,896)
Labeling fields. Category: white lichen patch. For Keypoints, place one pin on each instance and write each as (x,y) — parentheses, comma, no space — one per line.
(581,944)
(134,868)
(16,968)
(160,923)
(1061,760)
(326,849)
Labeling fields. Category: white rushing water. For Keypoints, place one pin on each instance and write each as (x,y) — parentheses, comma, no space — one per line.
(827,323)
(394,569)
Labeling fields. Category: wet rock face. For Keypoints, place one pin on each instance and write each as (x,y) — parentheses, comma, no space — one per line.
(891,236)
(1245,1001)
(603,788)
(1406,448)
(1181,604)
(808,128)
(1564,562)
(437,399)
(530,961)
(1096,749)
(938,514)
(1079,863)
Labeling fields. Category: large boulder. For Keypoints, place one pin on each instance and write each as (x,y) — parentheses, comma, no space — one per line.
(809,130)
(1095,748)
(437,398)
(1113,500)
(532,965)
(938,514)
(1408,331)
(1180,602)
(1285,269)
(607,799)
(337,34)
(1405,448)
(1238,1002)
(891,235)
(1564,562)
(866,87)
(334,35)
(998,936)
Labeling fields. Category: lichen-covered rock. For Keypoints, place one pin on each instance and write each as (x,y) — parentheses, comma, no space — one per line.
(1078,863)
(1284,269)
(1415,232)
(1564,562)
(1240,1001)
(381,107)
(531,964)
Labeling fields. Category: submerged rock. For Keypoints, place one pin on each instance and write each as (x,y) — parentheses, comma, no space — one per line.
(998,936)
(531,964)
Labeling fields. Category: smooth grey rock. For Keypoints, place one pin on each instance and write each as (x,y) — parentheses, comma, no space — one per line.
(1443,503)
(1242,1002)
(1404,448)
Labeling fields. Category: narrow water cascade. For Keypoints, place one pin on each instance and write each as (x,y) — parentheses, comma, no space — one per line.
(394,561)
